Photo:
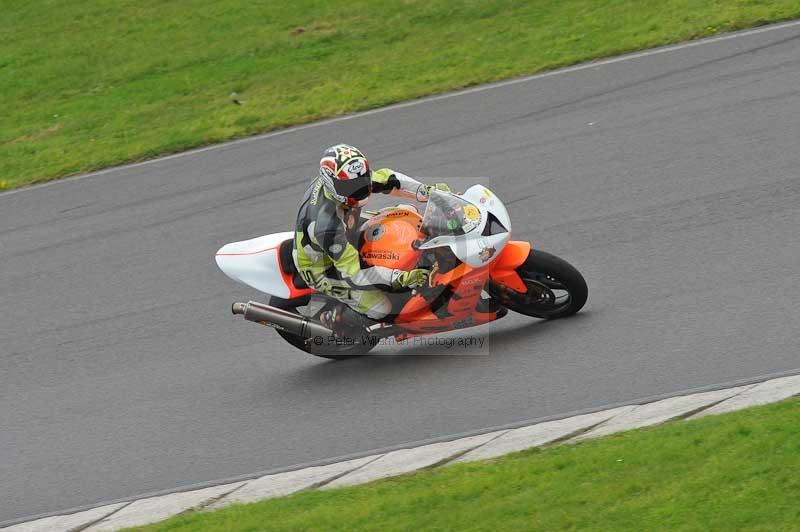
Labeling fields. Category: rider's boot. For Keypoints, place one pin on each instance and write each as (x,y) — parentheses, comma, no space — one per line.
(344,321)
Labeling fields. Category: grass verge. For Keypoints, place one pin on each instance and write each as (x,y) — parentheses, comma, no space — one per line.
(738,471)
(90,84)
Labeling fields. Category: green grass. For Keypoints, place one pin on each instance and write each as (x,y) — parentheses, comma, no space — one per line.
(91,83)
(738,471)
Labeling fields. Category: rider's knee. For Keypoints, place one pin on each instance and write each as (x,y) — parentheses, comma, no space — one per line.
(381,307)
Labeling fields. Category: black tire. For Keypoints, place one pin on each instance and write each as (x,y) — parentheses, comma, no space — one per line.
(332,352)
(555,288)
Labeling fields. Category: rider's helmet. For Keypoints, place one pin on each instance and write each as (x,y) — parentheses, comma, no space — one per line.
(346,175)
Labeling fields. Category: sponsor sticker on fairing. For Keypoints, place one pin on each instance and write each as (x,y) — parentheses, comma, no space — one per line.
(471,213)
(382,254)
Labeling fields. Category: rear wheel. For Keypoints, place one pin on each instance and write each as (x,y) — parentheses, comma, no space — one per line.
(324,348)
(555,289)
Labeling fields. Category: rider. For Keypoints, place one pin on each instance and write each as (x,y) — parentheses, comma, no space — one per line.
(327,233)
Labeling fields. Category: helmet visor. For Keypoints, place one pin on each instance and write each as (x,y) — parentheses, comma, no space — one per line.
(357,188)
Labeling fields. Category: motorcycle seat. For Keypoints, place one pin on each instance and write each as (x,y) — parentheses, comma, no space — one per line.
(287,263)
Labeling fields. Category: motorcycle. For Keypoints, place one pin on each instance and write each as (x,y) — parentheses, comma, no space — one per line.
(477,274)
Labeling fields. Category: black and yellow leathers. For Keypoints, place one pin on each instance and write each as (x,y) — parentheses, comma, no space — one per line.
(326,245)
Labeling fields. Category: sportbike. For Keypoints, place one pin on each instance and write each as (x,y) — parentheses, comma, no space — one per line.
(477,274)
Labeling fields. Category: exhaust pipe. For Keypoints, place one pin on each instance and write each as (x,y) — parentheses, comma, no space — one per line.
(281,319)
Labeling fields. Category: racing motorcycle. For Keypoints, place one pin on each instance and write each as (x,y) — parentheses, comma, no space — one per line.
(477,274)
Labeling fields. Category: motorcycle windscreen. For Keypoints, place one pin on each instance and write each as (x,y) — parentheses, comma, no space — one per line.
(459,224)
(449,215)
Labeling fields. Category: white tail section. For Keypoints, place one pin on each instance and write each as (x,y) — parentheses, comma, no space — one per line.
(256,263)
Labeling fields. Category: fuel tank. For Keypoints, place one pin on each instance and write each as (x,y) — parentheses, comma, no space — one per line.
(387,239)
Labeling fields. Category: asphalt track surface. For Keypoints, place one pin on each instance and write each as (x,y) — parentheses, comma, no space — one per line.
(670,180)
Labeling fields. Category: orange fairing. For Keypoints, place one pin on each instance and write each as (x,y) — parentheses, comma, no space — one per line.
(388,238)
(450,277)
(512,257)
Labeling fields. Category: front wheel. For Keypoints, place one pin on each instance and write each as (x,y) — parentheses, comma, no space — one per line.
(555,289)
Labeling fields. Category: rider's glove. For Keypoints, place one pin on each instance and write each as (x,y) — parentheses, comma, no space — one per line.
(410,279)
(425,191)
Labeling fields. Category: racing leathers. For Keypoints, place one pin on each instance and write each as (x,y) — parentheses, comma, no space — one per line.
(326,245)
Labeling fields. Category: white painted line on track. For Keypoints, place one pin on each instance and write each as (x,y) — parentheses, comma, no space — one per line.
(661,412)
(292,481)
(408,460)
(369,468)
(427,99)
(541,434)
(758,394)
(69,522)
(146,511)
(376,453)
